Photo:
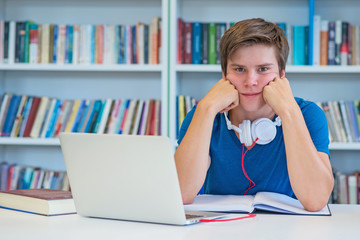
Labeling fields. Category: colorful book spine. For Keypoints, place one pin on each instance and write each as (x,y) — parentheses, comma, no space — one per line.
(212,43)
(11,115)
(331,44)
(196,43)
(299,45)
(187,42)
(205,43)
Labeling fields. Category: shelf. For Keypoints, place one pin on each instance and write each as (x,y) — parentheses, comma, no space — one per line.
(289,69)
(344,146)
(30,141)
(56,142)
(82,67)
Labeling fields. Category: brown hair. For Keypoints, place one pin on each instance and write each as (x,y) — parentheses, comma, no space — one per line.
(254,31)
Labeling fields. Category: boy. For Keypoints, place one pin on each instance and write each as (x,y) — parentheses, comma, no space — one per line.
(293,159)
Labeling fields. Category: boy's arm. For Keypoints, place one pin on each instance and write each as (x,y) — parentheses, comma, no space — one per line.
(192,156)
(309,170)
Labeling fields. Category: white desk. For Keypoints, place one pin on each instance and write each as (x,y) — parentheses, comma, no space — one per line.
(343,224)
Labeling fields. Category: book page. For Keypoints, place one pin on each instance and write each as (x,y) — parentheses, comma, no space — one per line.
(221,203)
(277,202)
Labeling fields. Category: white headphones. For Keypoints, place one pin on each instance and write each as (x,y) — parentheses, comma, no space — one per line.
(263,129)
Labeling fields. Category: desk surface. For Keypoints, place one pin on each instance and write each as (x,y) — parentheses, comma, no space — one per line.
(343,224)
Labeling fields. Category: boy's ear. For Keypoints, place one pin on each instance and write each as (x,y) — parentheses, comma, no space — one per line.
(223,75)
(282,75)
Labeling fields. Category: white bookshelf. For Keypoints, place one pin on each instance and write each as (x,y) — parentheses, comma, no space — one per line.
(30,141)
(81,81)
(316,83)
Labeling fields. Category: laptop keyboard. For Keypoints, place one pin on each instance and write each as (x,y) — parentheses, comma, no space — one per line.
(189,216)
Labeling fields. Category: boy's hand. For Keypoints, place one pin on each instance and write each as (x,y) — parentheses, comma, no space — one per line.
(279,96)
(222,97)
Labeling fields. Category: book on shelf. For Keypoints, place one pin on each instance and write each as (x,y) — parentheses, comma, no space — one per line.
(19,116)
(142,127)
(11,115)
(45,117)
(38,201)
(131,123)
(31,117)
(324,42)
(13,176)
(343,118)
(265,201)
(6,99)
(346,188)
(39,118)
(205,43)
(196,50)
(187,34)
(331,44)
(212,43)
(137,119)
(48,130)
(30,42)
(328,43)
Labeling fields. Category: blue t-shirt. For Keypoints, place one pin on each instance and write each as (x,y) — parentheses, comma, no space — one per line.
(265,164)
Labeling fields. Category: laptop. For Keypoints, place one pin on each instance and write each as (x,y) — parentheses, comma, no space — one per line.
(125,177)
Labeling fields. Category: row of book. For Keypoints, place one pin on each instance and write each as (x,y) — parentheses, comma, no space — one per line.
(334,42)
(30,42)
(343,118)
(13,176)
(346,188)
(45,117)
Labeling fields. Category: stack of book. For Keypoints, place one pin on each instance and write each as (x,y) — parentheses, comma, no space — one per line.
(45,117)
(29,42)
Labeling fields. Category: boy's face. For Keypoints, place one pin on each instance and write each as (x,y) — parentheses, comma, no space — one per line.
(250,69)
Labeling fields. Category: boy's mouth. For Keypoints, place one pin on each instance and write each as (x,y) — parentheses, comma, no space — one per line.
(251,94)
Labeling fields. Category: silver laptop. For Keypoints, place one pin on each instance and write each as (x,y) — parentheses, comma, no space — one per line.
(125,177)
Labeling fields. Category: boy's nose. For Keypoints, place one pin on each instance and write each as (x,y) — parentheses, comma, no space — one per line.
(251,79)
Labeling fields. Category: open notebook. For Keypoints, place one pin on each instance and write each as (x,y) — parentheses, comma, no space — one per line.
(266,201)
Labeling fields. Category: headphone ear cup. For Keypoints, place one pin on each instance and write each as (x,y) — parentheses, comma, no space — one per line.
(263,129)
(245,135)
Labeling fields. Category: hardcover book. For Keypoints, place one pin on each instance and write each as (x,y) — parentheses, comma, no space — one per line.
(38,201)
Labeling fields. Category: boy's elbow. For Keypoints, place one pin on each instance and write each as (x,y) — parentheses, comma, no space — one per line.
(314,206)
(187,198)
(316,203)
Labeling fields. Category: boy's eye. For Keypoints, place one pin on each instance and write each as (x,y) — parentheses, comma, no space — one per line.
(240,69)
(263,69)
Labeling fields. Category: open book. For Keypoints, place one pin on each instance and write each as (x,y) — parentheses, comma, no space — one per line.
(266,201)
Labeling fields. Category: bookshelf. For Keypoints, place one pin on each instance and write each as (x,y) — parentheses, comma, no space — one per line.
(81,81)
(316,83)
(168,79)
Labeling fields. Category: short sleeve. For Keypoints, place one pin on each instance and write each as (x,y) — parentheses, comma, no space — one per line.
(316,123)
(185,124)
